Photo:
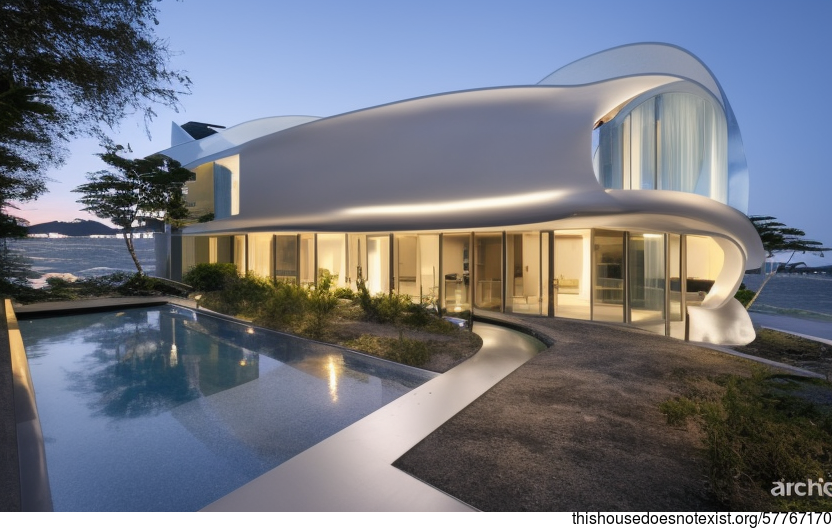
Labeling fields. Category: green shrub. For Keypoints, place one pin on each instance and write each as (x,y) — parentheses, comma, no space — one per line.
(286,306)
(139,284)
(321,302)
(211,277)
(245,296)
(402,350)
(678,410)
(762,429)
(744,295)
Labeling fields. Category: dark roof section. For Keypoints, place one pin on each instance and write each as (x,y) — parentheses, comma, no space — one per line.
(200,130)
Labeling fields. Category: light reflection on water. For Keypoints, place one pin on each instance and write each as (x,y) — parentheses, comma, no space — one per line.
(158,409)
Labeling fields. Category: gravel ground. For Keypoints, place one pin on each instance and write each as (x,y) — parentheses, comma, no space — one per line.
(578,428)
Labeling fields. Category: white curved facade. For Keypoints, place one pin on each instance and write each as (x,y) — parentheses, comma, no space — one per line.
(488,199)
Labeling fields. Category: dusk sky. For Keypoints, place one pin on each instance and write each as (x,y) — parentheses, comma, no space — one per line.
(250,59)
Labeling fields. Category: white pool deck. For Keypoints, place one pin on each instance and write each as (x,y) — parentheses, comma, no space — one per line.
(352,470)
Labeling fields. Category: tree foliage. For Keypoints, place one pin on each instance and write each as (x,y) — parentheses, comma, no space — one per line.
(70,68)
(776,236)
(134,191)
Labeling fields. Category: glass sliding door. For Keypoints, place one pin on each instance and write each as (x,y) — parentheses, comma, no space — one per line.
(572,277)
(675,305)
(286,258)
(523,273)
(331,257)
(378,264)
(608,286)
(456,272)
(407,265)
(429,269)
(260,254)
(240,253)
(488,271)
(307,259)
(647,283)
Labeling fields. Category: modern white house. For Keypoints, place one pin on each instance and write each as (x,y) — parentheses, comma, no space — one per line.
(613,190)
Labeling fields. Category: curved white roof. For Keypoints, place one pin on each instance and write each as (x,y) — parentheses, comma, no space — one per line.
(229,141)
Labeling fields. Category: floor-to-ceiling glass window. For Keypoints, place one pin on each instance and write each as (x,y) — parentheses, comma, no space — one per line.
(286,258)
(332,257)
(307,259)
(357,266)
(523,273)
(219,249)
(647,282)
(260,254)
(704,262)
(428,248)
(406,266)
(675,306)
(572,275)
(378,264)
(608,263)
(188,253)
(456,272)
(488,271)
(240,253)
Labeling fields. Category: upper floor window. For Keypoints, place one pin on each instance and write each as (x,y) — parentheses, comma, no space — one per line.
(671,141)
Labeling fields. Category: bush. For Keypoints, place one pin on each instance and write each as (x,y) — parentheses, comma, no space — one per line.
(211,277)
(142,285)
(744,295)
(241,296)
(761,430)
(321,302)
(285,308)
(402,350)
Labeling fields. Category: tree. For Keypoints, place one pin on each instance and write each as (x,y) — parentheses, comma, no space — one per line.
(134,191)
(776,236)
(70,68)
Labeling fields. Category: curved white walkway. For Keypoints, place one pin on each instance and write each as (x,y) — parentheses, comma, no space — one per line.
(352,470)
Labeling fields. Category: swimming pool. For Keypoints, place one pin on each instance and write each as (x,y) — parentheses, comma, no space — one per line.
(163,409)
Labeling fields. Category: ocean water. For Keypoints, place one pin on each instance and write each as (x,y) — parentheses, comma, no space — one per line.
(83,257)
(793,294)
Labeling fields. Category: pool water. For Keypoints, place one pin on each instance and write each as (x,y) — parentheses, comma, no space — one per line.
(161,409)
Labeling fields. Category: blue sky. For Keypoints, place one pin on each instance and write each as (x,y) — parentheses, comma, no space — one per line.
(249,59)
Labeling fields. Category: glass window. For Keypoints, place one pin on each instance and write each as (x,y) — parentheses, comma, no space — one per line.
(456,272)
(378,264)
(673,141)
(240,253)
(286,258)
(260,254)
(703,264)
(608,259)
(407,264)
(429,269)
(572,273)
(331,257)
(523,273)
(227,187)
(307,259)
(488,271)
(646,270)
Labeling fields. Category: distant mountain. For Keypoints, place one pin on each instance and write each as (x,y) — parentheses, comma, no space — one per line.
(74,228)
